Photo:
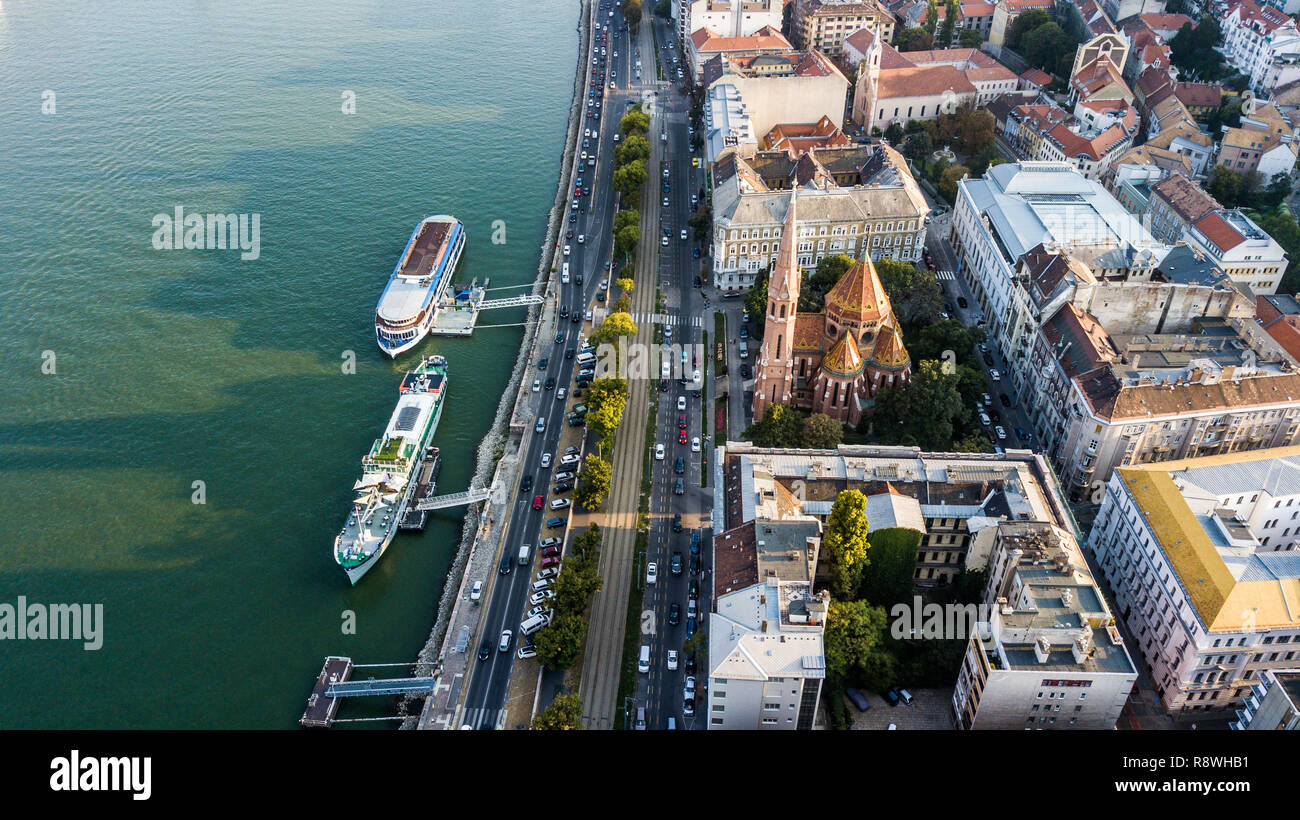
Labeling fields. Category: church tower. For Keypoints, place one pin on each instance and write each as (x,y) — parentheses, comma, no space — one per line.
(1002,20)
(776,357)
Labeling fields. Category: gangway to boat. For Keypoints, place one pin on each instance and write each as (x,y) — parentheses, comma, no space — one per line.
(511,301)
(333,683)
(440,502)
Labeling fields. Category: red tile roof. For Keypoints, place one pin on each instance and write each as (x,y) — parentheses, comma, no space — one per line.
(1217,230)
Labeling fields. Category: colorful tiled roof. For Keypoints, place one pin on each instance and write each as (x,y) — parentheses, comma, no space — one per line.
(844,359)
(808,331)
(859,293)
(889,351)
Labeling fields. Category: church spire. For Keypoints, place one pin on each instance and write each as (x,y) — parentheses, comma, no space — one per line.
(784,280)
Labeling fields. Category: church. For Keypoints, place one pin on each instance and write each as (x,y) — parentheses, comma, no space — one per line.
(833,361)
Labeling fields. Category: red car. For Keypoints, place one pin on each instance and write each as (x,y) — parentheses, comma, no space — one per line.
(681,422)
(551,550)
(550,562)
(681,436)
(537,502)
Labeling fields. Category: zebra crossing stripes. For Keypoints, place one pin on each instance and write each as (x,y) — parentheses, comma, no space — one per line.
(945,274)
(663,319)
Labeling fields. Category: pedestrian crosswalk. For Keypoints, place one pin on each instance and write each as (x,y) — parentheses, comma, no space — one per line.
(945,275)
(664,319)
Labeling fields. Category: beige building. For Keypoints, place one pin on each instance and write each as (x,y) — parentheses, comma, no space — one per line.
(849,198)
(704,45)
(1176,204)
(726,18)
(1049,656)
(1273,703)
(824,25)
(1200,556)
(792,86)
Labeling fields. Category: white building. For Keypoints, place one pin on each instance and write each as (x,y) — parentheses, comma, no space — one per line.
(767,659)
(1241,248)
(1262,43)
(792,86)
(1273,703)
(725,18)
(1199,554)
(1050,656)
(727,127)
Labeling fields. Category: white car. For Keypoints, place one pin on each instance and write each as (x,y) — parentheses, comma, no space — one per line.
(570,460)
(659,452)
(683,234)
(582,239)
(696,376)
(587,316)
(504,645)
(549,572)
(538,597)
(560,503)
(537,385)
(672,660)
(546,459)
(664,241)
(476,591)
(695,444)
(1002,433)
(689,689)
(538,610)
(681,402)
(526,652)
(995,375)
(566,250)
(651,572)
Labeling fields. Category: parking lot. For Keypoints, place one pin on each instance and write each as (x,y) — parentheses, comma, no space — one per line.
(930,709)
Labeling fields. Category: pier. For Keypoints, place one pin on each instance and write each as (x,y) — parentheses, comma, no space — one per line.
(426,480)
(334,683)
(458,314)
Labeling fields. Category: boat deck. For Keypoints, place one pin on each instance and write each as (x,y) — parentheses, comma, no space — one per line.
(425,482)
(321,708)
(426,250)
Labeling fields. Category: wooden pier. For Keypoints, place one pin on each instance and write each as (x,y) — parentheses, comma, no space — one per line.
(321,708)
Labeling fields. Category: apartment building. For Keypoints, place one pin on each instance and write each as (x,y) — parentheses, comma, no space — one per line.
(1264,143)
(727,126)
(726,18)
(824,25)
(1273,703)
(703,45)
(1200,557)
(1261,42)
(1279,316)
(1240,248)
(1050,657)
(849,198)
(956,500)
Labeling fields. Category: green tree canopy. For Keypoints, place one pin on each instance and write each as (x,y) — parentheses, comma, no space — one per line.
(1026,22)
(629,179)
(855,644)
(894,133)
(780,426)
(614,326)
(920,412)
(1193,51)
(564,714)
(844,542)
(636,122)
(821,432)
(560,643)
(632,149)
(913,292)
(948,181)
(887,580)
(913,39)
(756,303)
(951,13)
(605,400)
(593,481)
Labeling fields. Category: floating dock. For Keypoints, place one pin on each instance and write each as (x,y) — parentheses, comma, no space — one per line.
(321,708)
(426,481)
(458,314)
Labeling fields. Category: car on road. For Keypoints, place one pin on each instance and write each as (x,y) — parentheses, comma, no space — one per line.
(679,488)
(550,383)
(664,241)
(679,466)
(688,707)
(745,372)
(677,522)
(665,202)
(541,364)
(675,565)
(1001,431)
(690,628)
(672,660)
(688,688)
(582,239)
(651,572)
(504,644)
(695,565)
(674,614)
(563,391)
(485,649)
(537,502)
(681,436)
(681,421)
(995,375)
(988,358)
(986,398)
(891,696)
(962,303)
(1005,399)
(526,484)
(554,522)
(566,250)
(984,419)
(659,452)
(476,592)
(546,459)
(683,234)
(744,332)
(559,338)
(695,444)
(681,402)
(537,385)
(695,253)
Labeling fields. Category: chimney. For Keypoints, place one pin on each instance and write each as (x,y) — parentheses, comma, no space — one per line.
(1080,648)
(1042,648)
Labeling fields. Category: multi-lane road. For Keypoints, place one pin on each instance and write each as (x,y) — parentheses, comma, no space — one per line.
(506,600)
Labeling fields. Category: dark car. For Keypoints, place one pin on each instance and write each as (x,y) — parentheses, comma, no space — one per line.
(744,332)
(576,318)
(988,358)
(675,565)
(859,699)
(564,311)
(677,522)
(695,565)
(568,354)
(550,383)
(694,591)
(696,253)
(962,303)
(891,696)
(679,488)
(485,650)
(674,614)
(550,551)
(995,415)
(1005,399)
(663,385)
(562,487)
(541,365)
(690,664)
(526,484)
(745,372)
(559,338)
(505,565)
(690,627)
(679,466)
(554,522)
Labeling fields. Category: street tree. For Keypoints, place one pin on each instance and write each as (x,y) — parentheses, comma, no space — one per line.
(560,643)
(564,714)
(855,644)
(614,326)
(844,543)
(593,481)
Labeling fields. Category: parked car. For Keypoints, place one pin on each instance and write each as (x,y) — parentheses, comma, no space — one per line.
(672,659)
(677,522)
(651,572)
(476,591)
(859,700)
